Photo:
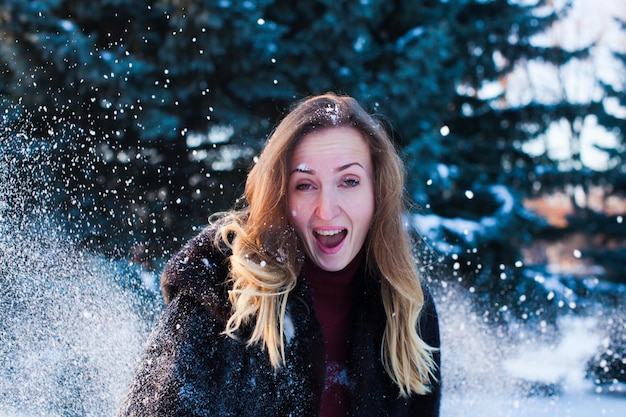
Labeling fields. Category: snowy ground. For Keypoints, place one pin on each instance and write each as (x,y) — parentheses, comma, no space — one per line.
(487,376)
(582,404)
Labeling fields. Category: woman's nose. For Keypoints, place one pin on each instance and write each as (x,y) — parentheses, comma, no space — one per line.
(327,205)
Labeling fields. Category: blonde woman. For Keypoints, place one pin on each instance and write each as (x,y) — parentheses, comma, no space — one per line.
(306,301)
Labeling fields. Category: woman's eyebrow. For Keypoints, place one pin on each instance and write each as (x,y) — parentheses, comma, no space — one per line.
(346,166)
(306,170)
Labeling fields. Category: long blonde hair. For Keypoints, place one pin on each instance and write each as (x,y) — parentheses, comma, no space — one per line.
(266,258)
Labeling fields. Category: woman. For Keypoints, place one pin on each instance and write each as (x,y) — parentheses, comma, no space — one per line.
(306,301)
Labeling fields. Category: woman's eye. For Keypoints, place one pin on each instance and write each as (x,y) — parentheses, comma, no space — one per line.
(303,187)
(350,182)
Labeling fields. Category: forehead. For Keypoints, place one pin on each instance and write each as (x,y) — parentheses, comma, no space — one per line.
(331,143)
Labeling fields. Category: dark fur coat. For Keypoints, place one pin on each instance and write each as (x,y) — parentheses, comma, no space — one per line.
(190,369)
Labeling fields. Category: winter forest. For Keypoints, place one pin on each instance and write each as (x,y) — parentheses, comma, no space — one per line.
(126,123)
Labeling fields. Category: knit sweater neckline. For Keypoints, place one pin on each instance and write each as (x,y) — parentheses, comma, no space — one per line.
(333,297)
(333,284)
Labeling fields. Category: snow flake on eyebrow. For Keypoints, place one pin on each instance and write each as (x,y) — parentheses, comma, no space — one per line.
(303,167)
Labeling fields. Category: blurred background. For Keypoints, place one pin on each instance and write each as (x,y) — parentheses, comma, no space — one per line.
(126,123)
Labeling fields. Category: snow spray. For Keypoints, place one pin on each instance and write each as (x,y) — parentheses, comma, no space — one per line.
(73,323)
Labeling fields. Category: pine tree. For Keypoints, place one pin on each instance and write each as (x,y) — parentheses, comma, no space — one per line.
(158,107)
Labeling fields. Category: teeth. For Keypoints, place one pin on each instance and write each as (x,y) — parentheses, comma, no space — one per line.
(328,232)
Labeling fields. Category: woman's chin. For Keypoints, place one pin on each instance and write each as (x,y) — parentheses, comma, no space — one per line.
(330,263)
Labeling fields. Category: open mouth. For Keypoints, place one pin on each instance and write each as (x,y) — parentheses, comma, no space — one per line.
(330,239)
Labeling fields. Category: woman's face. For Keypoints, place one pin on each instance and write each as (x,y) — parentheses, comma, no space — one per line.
(330,196)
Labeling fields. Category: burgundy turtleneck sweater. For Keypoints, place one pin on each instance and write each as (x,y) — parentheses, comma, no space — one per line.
(332,301)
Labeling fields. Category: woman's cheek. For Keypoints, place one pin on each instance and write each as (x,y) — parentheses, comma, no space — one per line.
(297,208)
